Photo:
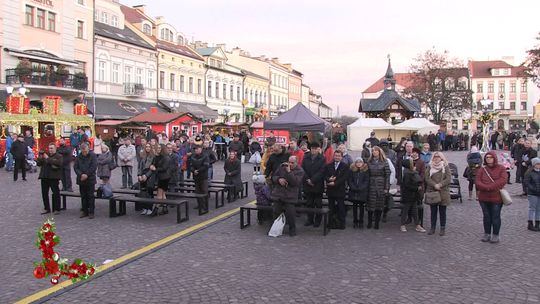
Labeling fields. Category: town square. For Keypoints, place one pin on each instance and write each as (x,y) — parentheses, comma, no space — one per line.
(269,152)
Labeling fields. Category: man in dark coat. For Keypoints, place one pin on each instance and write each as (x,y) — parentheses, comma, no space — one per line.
(336,175)
(287,180)
(527,154)
(313,166)
(85,167)
(516,153)
(237,146)
(233,176)
(49,174)
(173,167)
(212,158)
(67,153)
(199,167)
(373,140)
(19,150)
(275,160)
(29,139)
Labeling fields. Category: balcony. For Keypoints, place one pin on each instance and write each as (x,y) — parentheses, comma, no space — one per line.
(67,81)
(133,89)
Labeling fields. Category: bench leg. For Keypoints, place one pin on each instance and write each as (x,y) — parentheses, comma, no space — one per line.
(187,211)
(325,224)
(222,197)
(217,200)
(249,217)
(122,208)
(205,203)
(64,199)
(112,207)
(242,218)
(246,188)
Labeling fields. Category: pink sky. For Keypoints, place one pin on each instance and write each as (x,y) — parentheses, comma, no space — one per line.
(341,46)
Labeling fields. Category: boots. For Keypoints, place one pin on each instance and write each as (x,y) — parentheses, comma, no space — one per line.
(370,219)
(442,232)
(532,227)
(377,218)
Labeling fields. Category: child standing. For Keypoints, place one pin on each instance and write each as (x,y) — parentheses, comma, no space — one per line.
(262,193)
(532,182)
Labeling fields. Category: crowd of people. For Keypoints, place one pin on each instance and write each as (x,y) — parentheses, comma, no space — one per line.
(304,171)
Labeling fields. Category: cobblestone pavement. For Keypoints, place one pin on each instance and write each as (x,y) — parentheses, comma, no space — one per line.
(223,264)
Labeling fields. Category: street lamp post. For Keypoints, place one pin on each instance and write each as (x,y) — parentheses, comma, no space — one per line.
(486,120)
(174,105)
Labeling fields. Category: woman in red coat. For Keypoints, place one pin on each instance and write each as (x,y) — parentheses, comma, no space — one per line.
(490,179)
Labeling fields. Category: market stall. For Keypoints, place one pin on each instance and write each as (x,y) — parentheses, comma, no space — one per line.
(360,130)
(260,134)
(167,122)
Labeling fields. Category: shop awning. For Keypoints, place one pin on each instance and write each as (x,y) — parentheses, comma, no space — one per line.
(200,111)
(120,109)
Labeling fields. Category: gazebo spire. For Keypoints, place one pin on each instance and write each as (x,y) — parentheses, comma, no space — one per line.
(389,80)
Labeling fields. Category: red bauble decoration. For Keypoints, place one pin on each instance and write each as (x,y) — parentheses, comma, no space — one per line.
(54,280)
(39,272)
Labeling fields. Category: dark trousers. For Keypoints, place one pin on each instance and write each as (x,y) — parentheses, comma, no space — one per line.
(52,184)
(87,198)
(20,164)
(127,179)
(522,172)
(314,200)
(358,206)
(290,213)
(518,172)
(438,210)
(409,208)
(337,210)
(201,187)
(492,217)
(66,177)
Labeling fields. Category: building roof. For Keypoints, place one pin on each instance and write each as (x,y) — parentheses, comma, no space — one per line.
(385,100)
(482,69)
(133,15)
(157,118)
(206,51)
(177,49)
(248,73)
(125,35)
(402,79)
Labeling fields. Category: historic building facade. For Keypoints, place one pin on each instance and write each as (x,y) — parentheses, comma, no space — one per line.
(126,66)
(60,62)
(279,88)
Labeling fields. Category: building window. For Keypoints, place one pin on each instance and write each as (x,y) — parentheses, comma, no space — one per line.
(199,86)
(224,91)
(52,22)
(114,21)
(147,29)
(139,76)
(104,17)
(523,106)
(479,88)
(237,93)
(212,62)
(501,87)
(80,29)
(40,18)
(127,74)
(190,85)
(219,64)
(490,87)
(101,70)
(512,87)
(209,90)
(171,81)
(96,15)
(496,72)
(180,40)
(81,2)
(115,73)
(231,93)
(512,106)
(162,80)
(150,79)
(217,90)
(182,83)
(523,88)
(501,105)
(29,13)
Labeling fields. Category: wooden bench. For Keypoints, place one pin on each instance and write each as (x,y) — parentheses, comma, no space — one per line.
(146,200)
(202,209)
(245,214)
(219,193)
(112,203)
(222,183)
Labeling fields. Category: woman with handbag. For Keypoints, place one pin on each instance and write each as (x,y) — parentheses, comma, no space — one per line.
(146,177)
(358,182)
(104,160)
(438,179)
(411,187)
(490,180)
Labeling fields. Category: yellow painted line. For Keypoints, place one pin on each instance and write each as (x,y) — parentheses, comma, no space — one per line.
(45,292)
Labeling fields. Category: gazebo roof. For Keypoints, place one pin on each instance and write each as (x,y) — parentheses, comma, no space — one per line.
(385,100)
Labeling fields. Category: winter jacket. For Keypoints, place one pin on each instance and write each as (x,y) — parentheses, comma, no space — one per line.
(254,147)
(379,181)
(262,193)
(299,156)
(173,168)
(236,146)
(104,161)
(29,141)
(126,155)
(409,186)
(339,189)
(474,162)
(426,156)
(19,150)
(289,192)
(233,173)
(51,168)
(162,164)
(199,163)
(488,191)
(274,162)
(86,165)
(526,156)
(144,165)
(440,178)
(358,183)
(67,154)
(313,170)
(347,159)
(212,157)
(532,181)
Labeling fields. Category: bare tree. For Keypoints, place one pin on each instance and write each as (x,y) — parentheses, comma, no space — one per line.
(532,63)
(441,84)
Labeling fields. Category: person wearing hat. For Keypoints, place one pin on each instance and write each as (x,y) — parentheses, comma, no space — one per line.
(19,150)
(532,182)
(372,139)
(390,154)
(237,146)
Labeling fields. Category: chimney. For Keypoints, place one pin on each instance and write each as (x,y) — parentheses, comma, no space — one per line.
(140,8)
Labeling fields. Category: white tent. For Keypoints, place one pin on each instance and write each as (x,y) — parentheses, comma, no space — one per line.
(420,125)
(359,131)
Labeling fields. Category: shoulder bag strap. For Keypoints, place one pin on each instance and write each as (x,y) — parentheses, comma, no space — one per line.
(488,175)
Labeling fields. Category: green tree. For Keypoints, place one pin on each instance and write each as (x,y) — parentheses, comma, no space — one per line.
(532,63)
(441,84)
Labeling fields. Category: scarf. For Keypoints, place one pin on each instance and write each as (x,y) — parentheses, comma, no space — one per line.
(436,167)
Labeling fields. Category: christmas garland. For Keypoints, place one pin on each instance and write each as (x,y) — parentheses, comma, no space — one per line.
(54,266)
